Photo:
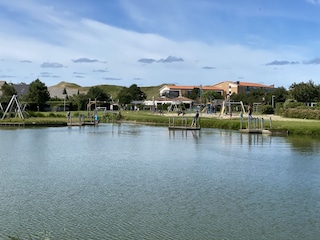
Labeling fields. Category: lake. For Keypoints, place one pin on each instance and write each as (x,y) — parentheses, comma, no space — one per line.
(130,181)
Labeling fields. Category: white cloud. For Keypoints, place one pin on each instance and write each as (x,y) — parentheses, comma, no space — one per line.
(315,2)
(65,40)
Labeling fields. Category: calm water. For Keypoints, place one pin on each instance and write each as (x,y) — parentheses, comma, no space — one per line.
(140,182)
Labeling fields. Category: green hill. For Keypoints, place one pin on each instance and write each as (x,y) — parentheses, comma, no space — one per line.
(113,90)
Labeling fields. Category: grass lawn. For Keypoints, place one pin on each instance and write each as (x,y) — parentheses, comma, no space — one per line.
(293,126)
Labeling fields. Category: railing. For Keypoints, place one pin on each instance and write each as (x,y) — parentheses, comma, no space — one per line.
(183,122)
(255,123)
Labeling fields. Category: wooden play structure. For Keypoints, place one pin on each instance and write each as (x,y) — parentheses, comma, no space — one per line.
(14,108)
(227,107)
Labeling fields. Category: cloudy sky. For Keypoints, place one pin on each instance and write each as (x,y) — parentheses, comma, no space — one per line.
(150,42)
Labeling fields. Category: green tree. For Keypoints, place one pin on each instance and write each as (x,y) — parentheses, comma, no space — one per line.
(280,95)
(127,95)
(37,95)
(304,92)
(7,92)
(124,96)
(98,93)
(210,95)
(79,101)
(240,97)
(136,93)
(195,94)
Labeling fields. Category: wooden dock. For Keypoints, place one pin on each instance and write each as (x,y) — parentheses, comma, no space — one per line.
(79,124)
(255,126)
(183,123)
(183,128)
(12,124)
(255,131)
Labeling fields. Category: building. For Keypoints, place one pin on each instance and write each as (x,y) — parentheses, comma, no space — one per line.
(229,87)
(173,91)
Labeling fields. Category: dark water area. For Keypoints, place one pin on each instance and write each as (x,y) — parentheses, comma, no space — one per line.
(132,181)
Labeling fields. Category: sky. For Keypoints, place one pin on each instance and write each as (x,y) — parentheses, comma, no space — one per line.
(152,42)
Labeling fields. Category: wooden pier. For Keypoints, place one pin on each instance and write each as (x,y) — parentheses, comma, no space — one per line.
(70,124)
(255,126)
(12,124)
(183,123)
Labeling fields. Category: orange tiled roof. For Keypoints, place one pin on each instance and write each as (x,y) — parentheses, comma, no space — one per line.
(192,87)
(249,84)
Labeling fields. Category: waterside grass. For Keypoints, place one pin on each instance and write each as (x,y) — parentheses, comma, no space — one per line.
(273,123)
(287,125)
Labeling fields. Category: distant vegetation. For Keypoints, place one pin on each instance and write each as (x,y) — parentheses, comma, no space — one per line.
(300,101)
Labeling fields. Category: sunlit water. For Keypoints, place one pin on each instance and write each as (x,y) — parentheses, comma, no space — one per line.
(141,182)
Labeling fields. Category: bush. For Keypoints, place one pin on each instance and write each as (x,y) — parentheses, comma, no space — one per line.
(35,114)
(303,113)
(291,104)
(267,109)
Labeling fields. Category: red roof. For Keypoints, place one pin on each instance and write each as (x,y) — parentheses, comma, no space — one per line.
(249,84)
(192,87)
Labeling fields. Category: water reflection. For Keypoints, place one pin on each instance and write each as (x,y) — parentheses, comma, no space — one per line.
(128,181)
(304,144)
(184,133)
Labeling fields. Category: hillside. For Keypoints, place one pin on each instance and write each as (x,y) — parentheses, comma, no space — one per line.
(113,90)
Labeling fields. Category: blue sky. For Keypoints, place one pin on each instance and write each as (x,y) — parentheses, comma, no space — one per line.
(150,42)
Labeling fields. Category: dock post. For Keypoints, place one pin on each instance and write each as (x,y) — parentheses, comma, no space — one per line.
(262,123)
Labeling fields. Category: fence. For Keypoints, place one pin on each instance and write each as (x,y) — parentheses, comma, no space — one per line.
(255,123)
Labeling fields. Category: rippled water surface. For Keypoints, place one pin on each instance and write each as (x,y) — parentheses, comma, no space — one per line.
(140,182)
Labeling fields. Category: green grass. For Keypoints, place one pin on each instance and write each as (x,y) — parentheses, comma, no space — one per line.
(303,127)
(296,127)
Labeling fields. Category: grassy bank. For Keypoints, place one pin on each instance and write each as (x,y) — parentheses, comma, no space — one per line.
(292,126)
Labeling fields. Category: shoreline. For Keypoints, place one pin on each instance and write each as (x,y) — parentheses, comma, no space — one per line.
(276,124)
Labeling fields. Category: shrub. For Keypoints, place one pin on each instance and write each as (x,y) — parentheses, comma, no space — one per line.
(303,113)
(267,109)
(35,114)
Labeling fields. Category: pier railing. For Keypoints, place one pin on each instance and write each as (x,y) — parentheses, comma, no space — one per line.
(255,123)
(183,122)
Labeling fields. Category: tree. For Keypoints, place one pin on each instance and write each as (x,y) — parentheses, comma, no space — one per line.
(79,101)
(124,96)
(127,95)
(195,94)
(97,93)
(7,92)
(211,95)
(304,92)
(37,95)
(136,93)
(280,95)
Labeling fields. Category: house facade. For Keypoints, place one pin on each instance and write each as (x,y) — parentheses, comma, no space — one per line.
(173,91)
(229,87)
